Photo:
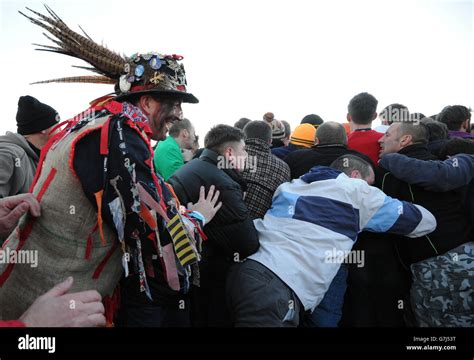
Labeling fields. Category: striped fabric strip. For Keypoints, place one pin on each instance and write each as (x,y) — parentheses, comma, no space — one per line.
(182,243)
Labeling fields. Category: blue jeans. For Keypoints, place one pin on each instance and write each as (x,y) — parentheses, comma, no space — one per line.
(329,311)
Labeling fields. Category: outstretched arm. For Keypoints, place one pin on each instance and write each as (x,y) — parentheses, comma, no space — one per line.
(381,213)
(433,175)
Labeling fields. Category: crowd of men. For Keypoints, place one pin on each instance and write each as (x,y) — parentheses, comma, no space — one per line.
(326,225)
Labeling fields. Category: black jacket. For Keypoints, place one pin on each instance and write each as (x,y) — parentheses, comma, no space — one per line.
(452,228)
(378,293)
(301,161)
(231,234)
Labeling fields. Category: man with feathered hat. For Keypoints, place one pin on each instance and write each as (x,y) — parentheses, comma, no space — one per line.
(105,214)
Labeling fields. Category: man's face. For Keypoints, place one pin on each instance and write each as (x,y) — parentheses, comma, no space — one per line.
(162,115)
(237,155)
(190,138)
(390,142)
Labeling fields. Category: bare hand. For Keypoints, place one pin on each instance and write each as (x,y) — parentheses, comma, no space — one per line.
(12,209)
(58,309)
(187,155)
(206,205)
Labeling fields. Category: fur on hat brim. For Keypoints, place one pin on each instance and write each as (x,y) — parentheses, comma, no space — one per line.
(184,97)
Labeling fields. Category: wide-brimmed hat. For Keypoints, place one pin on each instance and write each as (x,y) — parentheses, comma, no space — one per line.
(154,73)
(138,74)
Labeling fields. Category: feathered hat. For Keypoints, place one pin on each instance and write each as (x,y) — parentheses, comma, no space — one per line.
(139,74)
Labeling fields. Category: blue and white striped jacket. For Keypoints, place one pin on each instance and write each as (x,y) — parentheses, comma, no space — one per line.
(322,213)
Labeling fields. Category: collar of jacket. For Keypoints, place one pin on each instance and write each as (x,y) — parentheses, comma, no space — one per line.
(210,156)
(319,173)
(417,151)
(257,145)
(329,146)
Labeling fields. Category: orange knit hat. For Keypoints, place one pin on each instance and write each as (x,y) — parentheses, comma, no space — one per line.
(303,135)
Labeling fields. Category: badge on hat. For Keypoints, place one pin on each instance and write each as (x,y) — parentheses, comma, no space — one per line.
(155,63)
(139,71)
(124,84)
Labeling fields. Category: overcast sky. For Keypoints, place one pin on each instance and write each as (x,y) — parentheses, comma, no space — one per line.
(246,57)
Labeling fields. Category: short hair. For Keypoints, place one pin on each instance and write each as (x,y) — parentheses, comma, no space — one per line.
(454,116)
(241,123)
(312,119)
(417,116)
(417,130)
(362,108)
(258,129)
(331,133)
(221,136)
(177,126)
(350,162)
(287,128)
(395,113)
(436,130)
(268,115)
(457,146)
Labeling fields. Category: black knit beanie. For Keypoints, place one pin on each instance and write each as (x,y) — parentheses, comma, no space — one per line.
(33,116)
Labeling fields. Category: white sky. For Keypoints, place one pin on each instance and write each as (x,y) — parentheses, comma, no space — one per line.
(244,58)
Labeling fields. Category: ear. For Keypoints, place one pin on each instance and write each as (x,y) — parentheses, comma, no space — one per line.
(349,118)
(375,116)
(316,141)
(465,125)
(185,133)
(355,174)
(228,152)
(145,104)
(406,139)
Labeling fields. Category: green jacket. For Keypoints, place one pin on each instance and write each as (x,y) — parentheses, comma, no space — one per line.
(168,157)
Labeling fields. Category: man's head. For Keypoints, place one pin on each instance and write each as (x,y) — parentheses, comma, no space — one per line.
(456,117)
(312,119)
(331,133)
(35,120)
(355,167)
(240,124)
(436,130)
(362,109)
(394,113)
(162,111)
(400,135)
(268,117)
(304,136)
(228,142)
(156,82)
(457,145)
(184,134)
(258,129)
(286,139)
